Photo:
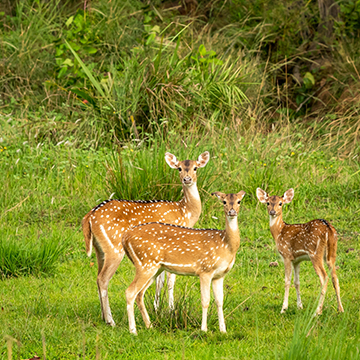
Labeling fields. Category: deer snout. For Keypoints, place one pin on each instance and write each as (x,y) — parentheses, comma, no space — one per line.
(187,180)
(232,212)
(272,212)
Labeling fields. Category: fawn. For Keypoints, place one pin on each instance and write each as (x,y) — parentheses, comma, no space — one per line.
(206,253)
(104,225)
(315,241)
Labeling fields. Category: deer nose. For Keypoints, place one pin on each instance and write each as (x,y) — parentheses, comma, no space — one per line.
(272,212)
(187,179)
(232,212)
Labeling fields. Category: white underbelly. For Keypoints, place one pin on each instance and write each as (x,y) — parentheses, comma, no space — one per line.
(179,269)
(223,268)
(304,257)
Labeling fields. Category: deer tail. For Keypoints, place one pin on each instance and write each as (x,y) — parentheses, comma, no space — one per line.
(88,235)
(331,245)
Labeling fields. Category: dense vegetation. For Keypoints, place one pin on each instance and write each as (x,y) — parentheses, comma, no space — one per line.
(167,64)
(93,93)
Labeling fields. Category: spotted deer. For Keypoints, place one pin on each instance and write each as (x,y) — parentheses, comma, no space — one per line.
(206,253)
(104,225)
(315,241)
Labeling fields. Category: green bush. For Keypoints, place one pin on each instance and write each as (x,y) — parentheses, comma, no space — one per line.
(26,256)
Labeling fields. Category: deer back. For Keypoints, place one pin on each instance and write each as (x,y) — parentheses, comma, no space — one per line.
(309,239)
(179,249)
(112,218)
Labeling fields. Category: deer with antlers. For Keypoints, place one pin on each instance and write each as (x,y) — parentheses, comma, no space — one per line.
(315,241)
(105,224)
(206,253)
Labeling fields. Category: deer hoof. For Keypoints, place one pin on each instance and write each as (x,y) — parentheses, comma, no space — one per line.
(111,323)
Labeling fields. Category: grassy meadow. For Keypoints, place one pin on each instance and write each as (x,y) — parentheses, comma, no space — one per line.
(49,188)
(93,94)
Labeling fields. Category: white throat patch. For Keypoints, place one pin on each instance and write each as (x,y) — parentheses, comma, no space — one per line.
(193,191)
(233,224)
(273,220)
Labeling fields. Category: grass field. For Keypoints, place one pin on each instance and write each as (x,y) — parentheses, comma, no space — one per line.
(48,293)
(92,95)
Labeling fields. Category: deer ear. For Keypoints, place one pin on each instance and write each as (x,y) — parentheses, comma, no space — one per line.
(241,194)
(218,194)
(262,195)
(288,196)
(171,160)
(203,159)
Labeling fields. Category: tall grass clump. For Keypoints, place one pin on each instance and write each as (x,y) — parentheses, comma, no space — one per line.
(143,174)
(311,339)
(21,256)
(149,92)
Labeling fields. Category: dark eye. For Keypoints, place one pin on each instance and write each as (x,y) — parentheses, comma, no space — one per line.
(224,202)
(195,168)
(267,204)
(179,169)
(280,203)
(239,202)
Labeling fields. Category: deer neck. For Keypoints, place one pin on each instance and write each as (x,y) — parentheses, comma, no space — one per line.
(191,203)
(232,235)
(276,226)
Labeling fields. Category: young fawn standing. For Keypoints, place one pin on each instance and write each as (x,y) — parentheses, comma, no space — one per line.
(314,241)
(104,225)
(206,253)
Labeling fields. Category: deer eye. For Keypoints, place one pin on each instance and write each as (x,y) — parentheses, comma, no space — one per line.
(224,202)
(179,168)
(195,168)
(239,201)
(280,203)
(267,203)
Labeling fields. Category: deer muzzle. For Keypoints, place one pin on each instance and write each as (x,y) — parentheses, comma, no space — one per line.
(187,180)
(232,212)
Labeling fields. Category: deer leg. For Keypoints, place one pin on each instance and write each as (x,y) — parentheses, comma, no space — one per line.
(288,270)
(335,281)
(160,280)
(218,289)
(106,269)
(205,299)
(141,304)
(141,280)
(321,272)
(100,260)
(171,285)
(100,256)
(297,284)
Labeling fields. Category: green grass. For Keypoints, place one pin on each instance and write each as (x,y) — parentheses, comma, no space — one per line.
(79,126)
(50,188)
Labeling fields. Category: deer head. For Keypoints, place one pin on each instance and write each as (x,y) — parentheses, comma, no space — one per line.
(231,202)
(187,168)
(274,203)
